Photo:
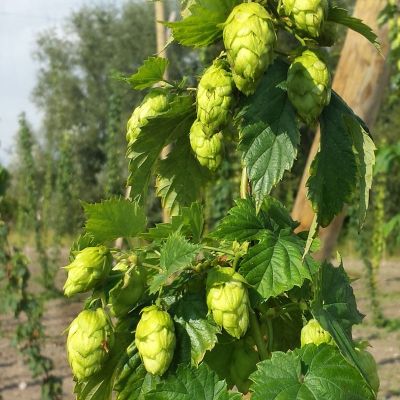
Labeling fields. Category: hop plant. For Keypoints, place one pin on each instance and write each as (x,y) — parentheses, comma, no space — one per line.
(214,98)
(90,337)
(309,85)
(307,16)
(369,365)
(154,103)
(90,266)
(227,300)
(126,293)
(155,339)
(313,333)
(249,39)
(244,362)
(207,149)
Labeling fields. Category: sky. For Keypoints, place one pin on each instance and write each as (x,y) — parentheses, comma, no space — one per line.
(20,23)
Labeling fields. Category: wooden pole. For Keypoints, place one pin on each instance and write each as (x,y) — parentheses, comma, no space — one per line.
(360,79)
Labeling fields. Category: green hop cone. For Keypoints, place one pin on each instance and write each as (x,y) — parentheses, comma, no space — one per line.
(227,300)
(90,337)
(90,266)
(214,98)
(313,333)
(125,295)
(208,150)
(249,39)
(309,85)
(155,339)
(308,16)
(154,103)
(243,364)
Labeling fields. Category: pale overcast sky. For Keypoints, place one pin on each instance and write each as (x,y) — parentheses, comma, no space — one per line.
(20,22)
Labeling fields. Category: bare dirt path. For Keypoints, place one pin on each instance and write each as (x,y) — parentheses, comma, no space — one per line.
(16,383)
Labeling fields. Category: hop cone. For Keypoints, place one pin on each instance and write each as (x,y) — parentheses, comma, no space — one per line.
(369,365)
(249,39)
(90,337)
(244,362)
(228,301)
(90,266)
(313,333)
(308,16)
(126,293)
(155,340)
(309,85)
(214,98)
(207,149)
(153,104)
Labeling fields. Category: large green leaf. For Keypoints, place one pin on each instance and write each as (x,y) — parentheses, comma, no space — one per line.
(335,295)
(204,24)
(151,72)
(174,173)
(312,373)
(176,255)
(190,223)
(276,264)
(269,132)
(335,308)
(114,218)
(244,223)
(364,149)
(192,384)
(191,313)
(333,175)
(342,16)
(159,131)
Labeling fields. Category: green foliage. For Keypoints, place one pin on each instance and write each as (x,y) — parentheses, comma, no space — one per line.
(227,309)
(114,218)
(151,72)
(314,372)
(269,134)
(27,309)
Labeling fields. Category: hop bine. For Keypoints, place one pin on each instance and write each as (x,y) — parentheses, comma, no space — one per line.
(307,16)
(154,103)
(208,150)
(309,85)
(90,337)
(227,300)
(313,333)
(155,339)
(214,98)
(249,39)
(90,267)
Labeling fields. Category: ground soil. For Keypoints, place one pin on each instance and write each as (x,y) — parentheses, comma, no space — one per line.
(16,383)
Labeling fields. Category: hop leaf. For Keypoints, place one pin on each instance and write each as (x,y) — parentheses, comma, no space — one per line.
(309,85)
(90,337)
(214,98)
(249,39)
(228,300)
(307,16)
(313,333)
(154,103)
(369,365)
(155,339)
(90,267)
(207,149)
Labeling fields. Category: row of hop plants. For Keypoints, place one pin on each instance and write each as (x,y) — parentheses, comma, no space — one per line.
(179,315)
